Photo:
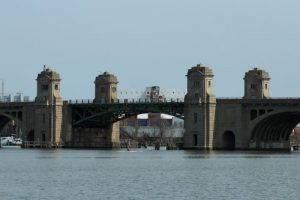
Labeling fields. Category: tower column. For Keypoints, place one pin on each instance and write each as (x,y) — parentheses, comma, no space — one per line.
(200,107)
(47,114)
(106,92)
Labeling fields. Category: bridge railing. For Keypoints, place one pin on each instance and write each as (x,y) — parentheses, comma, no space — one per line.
(229,98)
(124,101)
(272,98)
(15,102)
(40,144)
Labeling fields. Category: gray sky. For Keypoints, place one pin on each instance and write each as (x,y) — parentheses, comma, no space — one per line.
(149,42)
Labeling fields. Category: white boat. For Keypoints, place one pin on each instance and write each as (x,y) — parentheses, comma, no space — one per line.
(11,141)
(18,141)
(4,141)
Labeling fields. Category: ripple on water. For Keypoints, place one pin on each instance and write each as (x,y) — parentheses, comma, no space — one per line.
(95,174)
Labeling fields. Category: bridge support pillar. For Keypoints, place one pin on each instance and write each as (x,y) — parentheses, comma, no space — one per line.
(199,125)
(200,108)
(102,138)
(45,119)
(114,132)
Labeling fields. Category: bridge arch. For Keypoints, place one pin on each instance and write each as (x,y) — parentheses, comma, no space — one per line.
(11,117)
(101,115)
(6,118)
(228,140)
(30,136)
(274,130)
(96,125)
(106,118)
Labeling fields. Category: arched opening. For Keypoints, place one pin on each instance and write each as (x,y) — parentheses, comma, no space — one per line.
(94,124)
(10,130)
(253,114)
(131,129)
(277,131)
(30,136)
(229,140)
(151,130)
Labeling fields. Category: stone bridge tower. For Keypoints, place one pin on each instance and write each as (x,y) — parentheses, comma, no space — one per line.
(106,88)
(106,92)
(48,109)
(200,107)
(257,84)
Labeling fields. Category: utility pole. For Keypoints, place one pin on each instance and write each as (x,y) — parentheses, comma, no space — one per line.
(2,89)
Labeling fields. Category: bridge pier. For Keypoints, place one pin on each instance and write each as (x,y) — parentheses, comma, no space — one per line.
(102,138)
(42,121)
(200,108)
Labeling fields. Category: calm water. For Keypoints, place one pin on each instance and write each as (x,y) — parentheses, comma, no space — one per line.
(95,174)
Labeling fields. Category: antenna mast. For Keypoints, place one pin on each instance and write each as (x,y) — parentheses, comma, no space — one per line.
(2,90)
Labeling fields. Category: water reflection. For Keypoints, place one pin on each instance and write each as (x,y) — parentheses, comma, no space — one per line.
(136,174)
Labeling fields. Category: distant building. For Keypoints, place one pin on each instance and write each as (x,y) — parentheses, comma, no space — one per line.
(296,132)
(153,125)
(151,94)
(17,97)
(148,120)
(148,128)
(295,137)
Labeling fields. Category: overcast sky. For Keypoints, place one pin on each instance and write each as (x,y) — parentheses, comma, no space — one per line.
(149,42)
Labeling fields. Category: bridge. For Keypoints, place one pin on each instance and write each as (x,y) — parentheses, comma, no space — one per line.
(100,115)
(256,121)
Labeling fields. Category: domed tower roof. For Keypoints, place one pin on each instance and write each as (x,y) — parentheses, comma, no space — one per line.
(106,88)
(106,78)
(259,73)
(48,74)
(201,69)
(257,84)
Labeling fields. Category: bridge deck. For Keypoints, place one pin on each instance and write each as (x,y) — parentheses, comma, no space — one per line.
(269,101)
(95,114)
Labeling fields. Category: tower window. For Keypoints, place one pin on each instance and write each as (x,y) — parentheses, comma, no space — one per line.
(45,87)
(102,89)
(114,89)
(253,86)
(209,83)
(43,136)
(56,86)
(196,83)
(195,138)
(266,86)
(195,117)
